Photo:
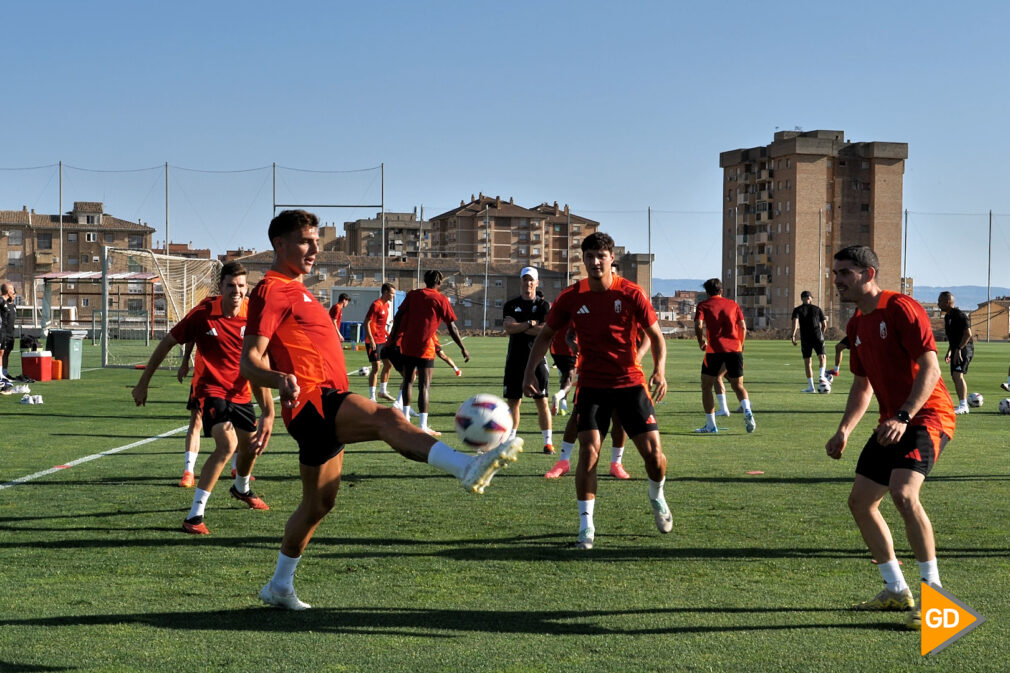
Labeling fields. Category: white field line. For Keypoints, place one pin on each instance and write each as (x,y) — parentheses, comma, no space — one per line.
(94,456)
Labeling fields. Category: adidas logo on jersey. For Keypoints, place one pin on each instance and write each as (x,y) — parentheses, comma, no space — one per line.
(858,342)
(212,332)
(307,299)
(584,310)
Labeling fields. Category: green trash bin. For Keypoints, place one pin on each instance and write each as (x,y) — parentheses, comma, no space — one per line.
(66,347)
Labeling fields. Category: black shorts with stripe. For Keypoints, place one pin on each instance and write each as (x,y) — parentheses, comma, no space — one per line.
(512,383)
(714,362)
(217,410)
(375,354)
(315,430)
(917,450)
(596,406)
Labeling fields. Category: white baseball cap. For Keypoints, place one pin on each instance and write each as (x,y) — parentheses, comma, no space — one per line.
(529,271)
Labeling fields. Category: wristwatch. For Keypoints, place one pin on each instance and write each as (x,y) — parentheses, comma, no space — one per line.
(903,416)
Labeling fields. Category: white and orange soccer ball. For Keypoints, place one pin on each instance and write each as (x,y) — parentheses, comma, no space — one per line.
(975,400)
(483,422)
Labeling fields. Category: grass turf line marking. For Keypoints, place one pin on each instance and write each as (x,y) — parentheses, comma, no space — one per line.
(94,456)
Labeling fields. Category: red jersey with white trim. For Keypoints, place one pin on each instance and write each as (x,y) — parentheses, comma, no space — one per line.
(377,317)
(420,314)
(606,325)
(302,339)
(218,340)
(885,344)
(721,317)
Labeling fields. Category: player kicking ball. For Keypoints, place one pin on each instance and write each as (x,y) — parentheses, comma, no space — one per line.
(290,345)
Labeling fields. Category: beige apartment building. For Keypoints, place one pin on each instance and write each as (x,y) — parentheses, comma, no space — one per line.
(789,206)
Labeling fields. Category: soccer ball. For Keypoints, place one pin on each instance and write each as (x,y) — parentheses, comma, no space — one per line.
(824,386)
(975,400)
(1004,405)
(483,422)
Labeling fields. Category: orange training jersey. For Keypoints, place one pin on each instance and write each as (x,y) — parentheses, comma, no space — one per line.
(218,340)
(885,344)
(420,314)
(302,339)
(606,326)
(377,317)
(721,317)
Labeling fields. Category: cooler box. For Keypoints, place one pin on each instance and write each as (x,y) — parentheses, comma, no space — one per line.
(38,365)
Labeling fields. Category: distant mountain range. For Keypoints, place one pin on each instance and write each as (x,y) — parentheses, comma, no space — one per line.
(968,297)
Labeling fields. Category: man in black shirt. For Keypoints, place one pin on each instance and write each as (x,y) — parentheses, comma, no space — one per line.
(7,315)
(959,347)
(809,321)
(523,318)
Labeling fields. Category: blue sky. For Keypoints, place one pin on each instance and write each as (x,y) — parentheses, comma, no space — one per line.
(609,107)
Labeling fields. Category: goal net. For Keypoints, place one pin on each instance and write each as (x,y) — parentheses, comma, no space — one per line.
(145,295)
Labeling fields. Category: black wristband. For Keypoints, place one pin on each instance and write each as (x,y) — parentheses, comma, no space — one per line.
(903,416)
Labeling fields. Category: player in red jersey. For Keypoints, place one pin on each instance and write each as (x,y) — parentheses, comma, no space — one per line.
(721,331)
(195,418)
(893,357)
(290,345)
(337,312)
(376,319)
(415,324)
(607,312)
(217,325)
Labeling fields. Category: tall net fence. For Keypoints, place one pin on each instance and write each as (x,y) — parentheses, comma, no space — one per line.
(147,294)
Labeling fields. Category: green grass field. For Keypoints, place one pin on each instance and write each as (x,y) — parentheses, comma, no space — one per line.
(410,573)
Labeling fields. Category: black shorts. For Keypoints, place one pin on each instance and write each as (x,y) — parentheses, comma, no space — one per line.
(512,383)
(918,450)
(809,347)
(193,403)
(844,343)
(315,430)
(967,353)
(393,354)
(217,410)
(564,363)
(596,406)
(714,362)
(375,354)
(417,363)
(7,344)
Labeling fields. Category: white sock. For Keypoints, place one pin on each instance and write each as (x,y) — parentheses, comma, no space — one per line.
(447,459)
(399,399)
(710,420)
(566,450)
(283,580)
(423,419)
(745,403)
(547,436)
(810,381)
(191,460)
(891,572)
(929,573)
(371,393)
(586,508)
(616,454)
(822,372)
(406,413)
(656,489)
(1008,380)
(721,399)
(199,503)
(242,483)
(384,388)
(962,403)
(512,434)
(234,461)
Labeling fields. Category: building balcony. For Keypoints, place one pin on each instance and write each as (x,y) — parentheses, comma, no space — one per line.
(762,279)
(742,198)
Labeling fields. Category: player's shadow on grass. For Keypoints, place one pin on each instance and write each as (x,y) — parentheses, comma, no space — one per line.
(9,667)
(432,623)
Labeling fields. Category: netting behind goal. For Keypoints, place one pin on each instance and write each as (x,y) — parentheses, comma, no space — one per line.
(146,295)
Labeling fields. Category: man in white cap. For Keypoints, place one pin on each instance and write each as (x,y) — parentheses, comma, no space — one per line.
(523,318)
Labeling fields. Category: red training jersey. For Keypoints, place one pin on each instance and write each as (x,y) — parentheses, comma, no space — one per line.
(420,314)
(218,340)
(377,318)
(302,339)
(885,344)
(721,317)
(336,315)
(559,344)
(606,325)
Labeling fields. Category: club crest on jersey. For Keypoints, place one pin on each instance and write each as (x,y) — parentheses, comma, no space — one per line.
(617,306)
(883,330)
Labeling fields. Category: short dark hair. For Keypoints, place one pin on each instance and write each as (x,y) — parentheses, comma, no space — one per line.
(432,277)
(386,287)
(946,294)
(598,241)
(291,220)
(232,268)
(860,255)
(344,297)
(805,294)
(713,286)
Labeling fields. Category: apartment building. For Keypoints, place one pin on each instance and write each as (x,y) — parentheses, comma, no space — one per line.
(790,205)
(403,235)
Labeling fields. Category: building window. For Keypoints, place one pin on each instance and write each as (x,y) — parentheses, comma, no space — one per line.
(789,163)
(830,163)
(787,227)
(827,207)
(132,265)
(864,207)
(787,252)
(786,292)
(90,236)
(523,236)
(341,272)
(787,270)
(467,323)
(96,259)
(378,276)
(498,282)
(110,237)
(16,237)
(788,203)
(497,303)
(788,185)
(84,302)
(45,241)
(522,250)
(72,261)
(13,257)
(84,259)
(136,241)
(865,165)
(72,237)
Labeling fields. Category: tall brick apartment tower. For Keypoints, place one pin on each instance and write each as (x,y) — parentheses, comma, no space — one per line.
(789,206)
